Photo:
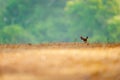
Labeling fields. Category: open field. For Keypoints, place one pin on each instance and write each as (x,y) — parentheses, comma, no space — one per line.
(60,61)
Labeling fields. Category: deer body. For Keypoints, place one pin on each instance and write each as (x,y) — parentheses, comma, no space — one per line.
(84,39)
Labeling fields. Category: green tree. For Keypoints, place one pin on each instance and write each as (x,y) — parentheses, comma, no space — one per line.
(15,34)
(92,16)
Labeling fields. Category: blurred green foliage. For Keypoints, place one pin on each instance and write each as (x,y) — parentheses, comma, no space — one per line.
(39,21)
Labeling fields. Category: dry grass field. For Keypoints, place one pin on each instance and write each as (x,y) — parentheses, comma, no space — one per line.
(60,61)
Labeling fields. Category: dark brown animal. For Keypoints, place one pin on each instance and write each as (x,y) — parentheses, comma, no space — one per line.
(84,39)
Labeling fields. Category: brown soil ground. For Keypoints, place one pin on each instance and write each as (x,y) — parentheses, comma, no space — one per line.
(60,61)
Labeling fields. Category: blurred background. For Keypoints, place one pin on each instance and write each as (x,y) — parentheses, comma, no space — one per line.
(45,21)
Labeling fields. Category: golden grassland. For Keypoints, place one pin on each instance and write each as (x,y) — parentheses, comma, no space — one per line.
(60,61)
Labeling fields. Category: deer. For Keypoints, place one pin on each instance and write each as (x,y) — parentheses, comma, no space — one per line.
(84,39)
